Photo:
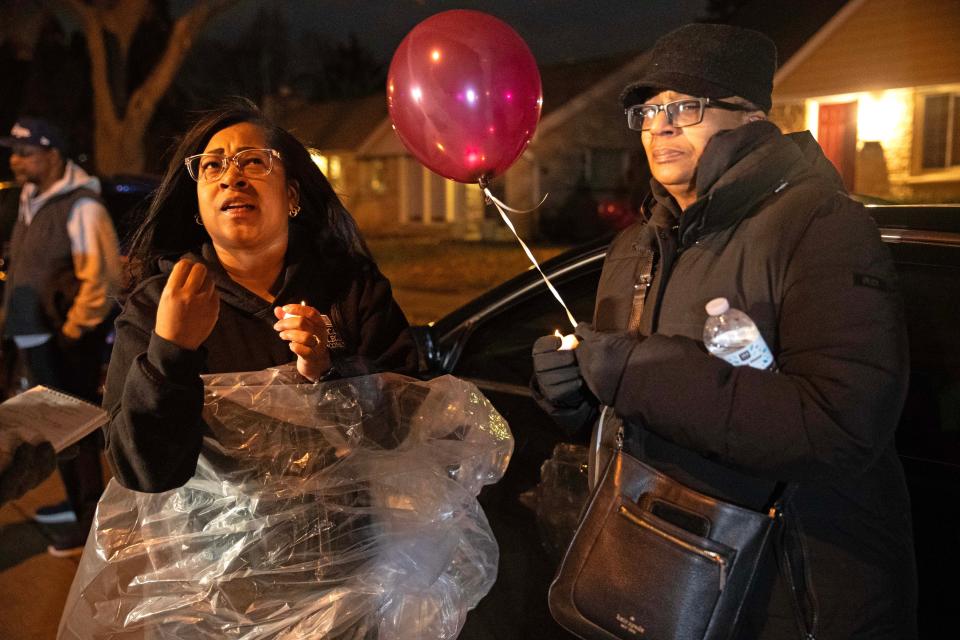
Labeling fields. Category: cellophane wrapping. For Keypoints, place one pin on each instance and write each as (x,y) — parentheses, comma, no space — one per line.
(344,509)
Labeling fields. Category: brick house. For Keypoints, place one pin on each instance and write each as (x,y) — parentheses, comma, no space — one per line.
(879,87)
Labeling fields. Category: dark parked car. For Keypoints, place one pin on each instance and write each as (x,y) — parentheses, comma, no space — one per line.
(488,342)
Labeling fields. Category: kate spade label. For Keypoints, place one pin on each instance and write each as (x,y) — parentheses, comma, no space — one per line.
(630,625)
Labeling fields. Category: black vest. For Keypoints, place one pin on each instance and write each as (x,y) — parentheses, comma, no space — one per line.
(41,283)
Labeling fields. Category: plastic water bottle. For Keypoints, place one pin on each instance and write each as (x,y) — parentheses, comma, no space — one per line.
(731,334)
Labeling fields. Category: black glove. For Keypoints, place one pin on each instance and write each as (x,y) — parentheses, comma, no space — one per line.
(558,387)
(26,465)
(602,358)
(556,372)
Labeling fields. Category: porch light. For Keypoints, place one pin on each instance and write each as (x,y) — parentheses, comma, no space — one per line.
(882,116)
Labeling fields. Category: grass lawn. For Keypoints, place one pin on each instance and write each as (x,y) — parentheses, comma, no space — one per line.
(433,276)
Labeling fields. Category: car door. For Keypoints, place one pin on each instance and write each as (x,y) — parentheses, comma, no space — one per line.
(494,353)
(928,436)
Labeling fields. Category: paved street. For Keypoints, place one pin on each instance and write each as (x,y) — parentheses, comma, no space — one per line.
(33,584)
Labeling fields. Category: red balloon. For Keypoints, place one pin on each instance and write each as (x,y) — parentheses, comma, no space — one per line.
(464,94)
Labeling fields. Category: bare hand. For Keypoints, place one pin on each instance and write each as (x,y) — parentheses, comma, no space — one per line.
(189,306)
(306,332)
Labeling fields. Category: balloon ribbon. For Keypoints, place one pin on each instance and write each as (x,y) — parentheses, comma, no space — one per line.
(503,208)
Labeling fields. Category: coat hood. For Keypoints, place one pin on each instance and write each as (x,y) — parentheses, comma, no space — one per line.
(74,177)
(301,260)
(738,169)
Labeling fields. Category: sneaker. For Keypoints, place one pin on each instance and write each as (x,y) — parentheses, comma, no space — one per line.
(60,513)
(68,544)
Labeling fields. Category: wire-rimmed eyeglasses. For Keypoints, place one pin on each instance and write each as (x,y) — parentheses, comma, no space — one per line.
(252,163)
(680,113)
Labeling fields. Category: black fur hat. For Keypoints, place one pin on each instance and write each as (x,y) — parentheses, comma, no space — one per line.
(708,61)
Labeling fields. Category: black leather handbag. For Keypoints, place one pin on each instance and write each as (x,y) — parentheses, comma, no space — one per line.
(657,560)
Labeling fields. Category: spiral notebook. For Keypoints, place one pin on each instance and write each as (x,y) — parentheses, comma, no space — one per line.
(56,416)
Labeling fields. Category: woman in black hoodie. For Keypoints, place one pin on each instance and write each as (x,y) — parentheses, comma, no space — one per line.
(246,259)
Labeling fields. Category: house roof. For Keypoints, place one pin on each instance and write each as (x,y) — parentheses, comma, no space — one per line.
(336,126)
(353,125)
(565,81)
(874,45)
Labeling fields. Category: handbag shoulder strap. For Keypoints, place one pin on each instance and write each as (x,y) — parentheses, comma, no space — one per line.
(641,286)
(605,441)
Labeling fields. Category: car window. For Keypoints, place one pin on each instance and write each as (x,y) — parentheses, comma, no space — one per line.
(930,423)
(499,347)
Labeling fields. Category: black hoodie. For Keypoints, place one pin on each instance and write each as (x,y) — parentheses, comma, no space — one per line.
(154,393)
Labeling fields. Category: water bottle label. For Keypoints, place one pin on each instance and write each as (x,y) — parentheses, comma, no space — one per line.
(756,354)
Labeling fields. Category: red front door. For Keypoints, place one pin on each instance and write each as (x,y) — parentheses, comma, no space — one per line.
(837,135)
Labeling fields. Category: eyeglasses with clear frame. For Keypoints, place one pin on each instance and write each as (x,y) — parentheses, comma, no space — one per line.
(252,163)
(680,113)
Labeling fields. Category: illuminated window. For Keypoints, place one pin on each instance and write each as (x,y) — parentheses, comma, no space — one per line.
(941,131)
(336,170)
(378,180)
(330,166)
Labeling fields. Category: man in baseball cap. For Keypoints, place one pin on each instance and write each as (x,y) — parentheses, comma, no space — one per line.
(62,280)
(738,210)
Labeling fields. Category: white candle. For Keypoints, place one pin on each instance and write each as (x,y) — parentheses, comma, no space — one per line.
(568,342)
(303,303)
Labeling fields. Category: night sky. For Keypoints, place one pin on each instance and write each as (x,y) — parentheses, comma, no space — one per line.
(555,30)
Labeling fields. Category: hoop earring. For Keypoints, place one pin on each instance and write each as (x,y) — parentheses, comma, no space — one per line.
(293,213)
(196,218)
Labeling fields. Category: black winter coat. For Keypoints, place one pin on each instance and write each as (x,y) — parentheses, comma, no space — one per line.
(154,393)
(774,233)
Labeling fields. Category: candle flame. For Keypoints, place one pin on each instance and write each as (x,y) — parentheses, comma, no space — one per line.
(568,342)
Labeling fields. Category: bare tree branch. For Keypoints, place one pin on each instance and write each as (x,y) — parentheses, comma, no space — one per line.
(119,140)
(99,75)
(122,20)
(144,100)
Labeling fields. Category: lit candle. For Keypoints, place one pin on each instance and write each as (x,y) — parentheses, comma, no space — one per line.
(568,342)
(303,303)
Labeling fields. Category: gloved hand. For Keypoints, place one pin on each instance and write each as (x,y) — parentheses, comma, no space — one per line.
(602,358)
(557,385)
(23,464)
(557,374)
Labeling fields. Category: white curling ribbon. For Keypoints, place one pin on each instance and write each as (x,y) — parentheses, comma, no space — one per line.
(501,207)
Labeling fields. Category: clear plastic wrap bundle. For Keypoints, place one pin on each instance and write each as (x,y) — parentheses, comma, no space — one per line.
(338,510)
